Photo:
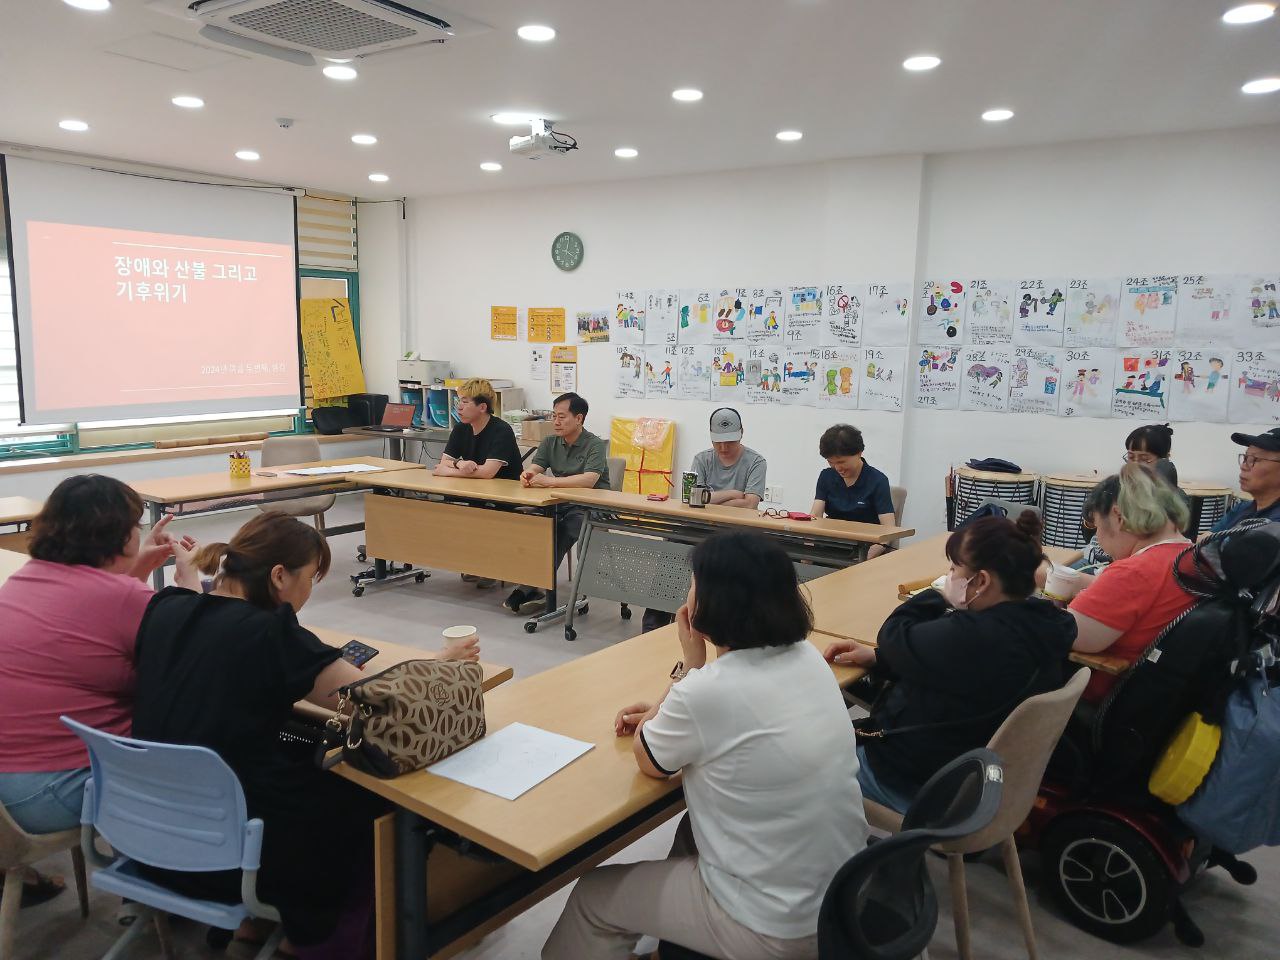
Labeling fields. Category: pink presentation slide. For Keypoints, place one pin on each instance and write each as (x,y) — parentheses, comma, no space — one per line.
(121,318)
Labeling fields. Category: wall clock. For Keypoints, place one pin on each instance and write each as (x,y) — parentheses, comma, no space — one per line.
(567,250)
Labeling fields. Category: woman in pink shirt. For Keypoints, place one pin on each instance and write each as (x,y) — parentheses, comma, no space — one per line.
(68,622)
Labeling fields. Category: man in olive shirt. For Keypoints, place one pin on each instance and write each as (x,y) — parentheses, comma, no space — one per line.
(578,458)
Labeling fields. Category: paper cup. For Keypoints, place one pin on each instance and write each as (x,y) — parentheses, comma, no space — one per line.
(459,634)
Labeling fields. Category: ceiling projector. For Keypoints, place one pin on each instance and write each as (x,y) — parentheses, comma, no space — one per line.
(542,142)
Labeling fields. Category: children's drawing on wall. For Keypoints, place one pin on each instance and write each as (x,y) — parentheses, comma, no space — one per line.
(886,314)
(766,313)
(1037,378)
(984,378)
(800,377)
(941,311)
(990,318)
(804,316)
(1256,397)
(661,315)
(1148,311)
(937,378)
(731,315)
(593,326)
(628,319)
(1087,378)
(1141,388)
(1204,311)
(1039,311)
(660,371)
(883,375)
(838,369)
(628,372)
(1257,312)
(694,324)
(844,316)
(693,372)
(728,373)
(763,374)
(1092,311)
(1201,384)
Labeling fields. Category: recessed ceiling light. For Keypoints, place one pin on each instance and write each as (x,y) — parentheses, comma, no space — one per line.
(337,59)
(1248,13)
(513,119)
(75,126)
(536,33)
(490,167)
(189,103)
(364,139)
(247,155)
(920,63)
(379,177)
(1262,85)
(337,71)
(95,5)
(686,95)
(626,153)
(788,135)
(997,115)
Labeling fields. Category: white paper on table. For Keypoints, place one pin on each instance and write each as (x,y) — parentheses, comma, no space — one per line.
(512,761)
(342,468)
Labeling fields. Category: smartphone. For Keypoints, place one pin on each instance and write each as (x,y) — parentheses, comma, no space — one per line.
(659,497)
(358,654)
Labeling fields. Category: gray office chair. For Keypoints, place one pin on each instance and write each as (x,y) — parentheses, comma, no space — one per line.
(899,497)
(277,451)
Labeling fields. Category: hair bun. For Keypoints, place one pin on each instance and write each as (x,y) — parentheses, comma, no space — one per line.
(1029,524)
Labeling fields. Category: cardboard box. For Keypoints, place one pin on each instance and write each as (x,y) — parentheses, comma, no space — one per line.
(535,429)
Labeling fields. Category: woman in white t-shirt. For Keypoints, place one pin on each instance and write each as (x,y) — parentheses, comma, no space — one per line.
(761,737)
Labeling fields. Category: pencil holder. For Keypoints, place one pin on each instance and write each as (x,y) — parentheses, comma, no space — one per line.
(239,466)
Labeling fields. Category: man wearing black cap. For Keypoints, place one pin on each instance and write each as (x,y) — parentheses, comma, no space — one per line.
(1259,477)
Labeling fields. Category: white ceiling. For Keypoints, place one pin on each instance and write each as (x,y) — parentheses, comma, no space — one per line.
(1071,69)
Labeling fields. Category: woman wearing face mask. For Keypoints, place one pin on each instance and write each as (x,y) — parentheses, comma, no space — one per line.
(961,659)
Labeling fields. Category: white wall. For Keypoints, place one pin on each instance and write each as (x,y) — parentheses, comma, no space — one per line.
(1204,202)
(382,301)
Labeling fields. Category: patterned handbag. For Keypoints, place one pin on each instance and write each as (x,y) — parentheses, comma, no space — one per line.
(406,717)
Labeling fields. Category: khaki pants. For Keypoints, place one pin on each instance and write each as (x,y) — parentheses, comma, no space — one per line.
(612,906)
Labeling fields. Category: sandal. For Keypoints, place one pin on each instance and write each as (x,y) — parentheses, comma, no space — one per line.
(38,888)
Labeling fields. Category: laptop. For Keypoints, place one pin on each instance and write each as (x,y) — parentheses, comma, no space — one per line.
(397,418)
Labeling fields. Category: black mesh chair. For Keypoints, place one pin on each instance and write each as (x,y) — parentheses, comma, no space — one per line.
(881,904)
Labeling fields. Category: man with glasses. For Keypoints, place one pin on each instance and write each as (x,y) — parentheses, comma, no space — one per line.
(1259,477)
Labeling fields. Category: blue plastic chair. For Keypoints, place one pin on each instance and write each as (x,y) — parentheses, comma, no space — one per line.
(171,807)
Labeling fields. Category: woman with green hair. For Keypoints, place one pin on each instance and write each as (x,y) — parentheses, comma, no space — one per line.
(1139,520)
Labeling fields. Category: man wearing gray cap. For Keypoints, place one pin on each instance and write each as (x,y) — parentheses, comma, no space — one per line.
(1259,477)
(735,474)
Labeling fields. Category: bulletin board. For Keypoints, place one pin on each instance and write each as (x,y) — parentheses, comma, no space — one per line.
(329,344)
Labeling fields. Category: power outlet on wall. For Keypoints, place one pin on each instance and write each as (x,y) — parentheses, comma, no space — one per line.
(773,494)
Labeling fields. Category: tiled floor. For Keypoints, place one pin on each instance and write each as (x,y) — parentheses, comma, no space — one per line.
(1239,922)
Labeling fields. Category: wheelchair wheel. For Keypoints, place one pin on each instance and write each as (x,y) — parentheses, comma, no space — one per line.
(1107,878)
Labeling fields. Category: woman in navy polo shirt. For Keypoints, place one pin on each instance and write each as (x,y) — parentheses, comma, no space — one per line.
(850,488)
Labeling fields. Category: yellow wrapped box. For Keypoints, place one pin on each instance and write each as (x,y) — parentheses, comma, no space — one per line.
(648,445)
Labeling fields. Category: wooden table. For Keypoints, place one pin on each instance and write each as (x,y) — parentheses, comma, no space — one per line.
(10,563)
(636,551)
(17,512)
(572,821)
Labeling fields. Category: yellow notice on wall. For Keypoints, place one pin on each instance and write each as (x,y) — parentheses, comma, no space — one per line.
(546,324)
(502,323)
(329,344)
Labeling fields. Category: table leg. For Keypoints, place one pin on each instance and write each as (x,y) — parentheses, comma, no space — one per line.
(571,606)
(412,847)
(157,575)
(396,445)
(555,552)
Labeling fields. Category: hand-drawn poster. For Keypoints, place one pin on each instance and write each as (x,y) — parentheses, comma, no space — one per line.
(728,372)
(804,316)
(1087,377)
(984,377)
(593,326)
(990,319)
(1257,315)
(628,318)
(329,346)
(695,316)
(1141,388)
(730,315)
(502,323)
(883,375)
(661,365)
(941,311)
(937,378)
(763,374)
(662,313)
(886,314)
(1093,311)
(1201,383)
(1148,311)
(628,373)
(766,313)
(1038,311)
(546,324)
(1204,311)
(843,327)
(800,377)
(838,380)
(1037,378)
(1256,397)
(693,372)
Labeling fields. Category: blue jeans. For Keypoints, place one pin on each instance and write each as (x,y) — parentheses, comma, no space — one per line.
(44,802)
(876,791)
